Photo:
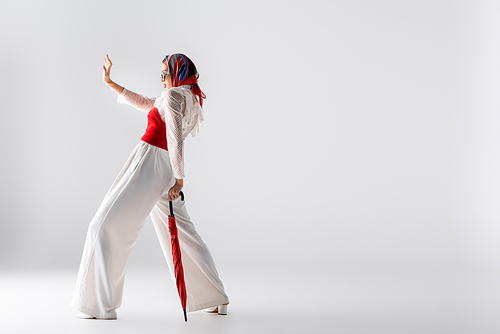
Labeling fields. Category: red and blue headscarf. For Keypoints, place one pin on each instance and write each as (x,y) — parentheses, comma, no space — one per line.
(183,72)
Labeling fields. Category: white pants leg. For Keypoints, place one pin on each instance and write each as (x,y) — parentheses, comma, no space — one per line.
(203,286)
(142,183)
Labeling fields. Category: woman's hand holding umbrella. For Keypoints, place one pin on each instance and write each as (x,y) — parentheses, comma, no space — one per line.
(175,191)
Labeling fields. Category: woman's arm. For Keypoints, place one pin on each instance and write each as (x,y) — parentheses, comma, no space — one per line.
(137,101)
(124,95)
(106,72)
(175,140)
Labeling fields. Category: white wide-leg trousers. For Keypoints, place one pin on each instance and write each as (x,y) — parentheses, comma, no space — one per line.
(141,189)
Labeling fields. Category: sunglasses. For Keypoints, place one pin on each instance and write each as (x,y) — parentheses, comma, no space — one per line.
(163,75)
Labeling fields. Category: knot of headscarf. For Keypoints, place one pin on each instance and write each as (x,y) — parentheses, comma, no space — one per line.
(183,72)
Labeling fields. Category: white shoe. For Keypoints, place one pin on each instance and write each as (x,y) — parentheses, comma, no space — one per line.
(211,309)
(220,309)
(110,316)
(82,315)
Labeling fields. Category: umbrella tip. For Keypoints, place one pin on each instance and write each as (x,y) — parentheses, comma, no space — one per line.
(185,316)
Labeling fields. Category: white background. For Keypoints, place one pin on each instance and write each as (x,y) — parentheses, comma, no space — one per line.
(336,132)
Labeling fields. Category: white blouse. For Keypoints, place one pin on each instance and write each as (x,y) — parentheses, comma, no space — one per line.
(182,114)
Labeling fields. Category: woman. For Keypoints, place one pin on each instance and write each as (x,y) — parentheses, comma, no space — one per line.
(152,176)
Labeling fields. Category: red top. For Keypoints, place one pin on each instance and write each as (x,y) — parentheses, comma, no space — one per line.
(156,131)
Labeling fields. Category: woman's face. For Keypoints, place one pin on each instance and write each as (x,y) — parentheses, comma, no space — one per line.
(167,83)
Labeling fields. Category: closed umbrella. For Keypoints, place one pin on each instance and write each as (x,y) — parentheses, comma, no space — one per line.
(176,254)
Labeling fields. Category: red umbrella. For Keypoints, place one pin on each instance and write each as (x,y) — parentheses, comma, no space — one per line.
(176,254)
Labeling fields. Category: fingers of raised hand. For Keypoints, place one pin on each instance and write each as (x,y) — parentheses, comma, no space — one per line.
(108,61)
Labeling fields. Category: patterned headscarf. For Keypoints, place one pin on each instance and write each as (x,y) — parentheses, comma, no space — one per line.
(183,72)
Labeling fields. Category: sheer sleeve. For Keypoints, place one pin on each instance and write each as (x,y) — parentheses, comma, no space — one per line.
(135,100)
(175,140)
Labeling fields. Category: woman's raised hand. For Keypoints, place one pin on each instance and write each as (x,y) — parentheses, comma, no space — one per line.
(106,69)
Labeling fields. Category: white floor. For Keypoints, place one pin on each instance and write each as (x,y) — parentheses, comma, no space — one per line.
(334,299)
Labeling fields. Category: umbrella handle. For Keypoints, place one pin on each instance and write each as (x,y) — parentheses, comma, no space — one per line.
(170,205)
